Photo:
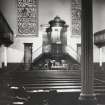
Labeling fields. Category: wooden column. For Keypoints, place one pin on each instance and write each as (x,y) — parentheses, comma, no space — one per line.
(87,96)
(4,56)
(27,56)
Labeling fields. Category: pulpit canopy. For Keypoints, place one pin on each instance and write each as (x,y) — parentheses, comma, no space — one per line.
(57,21)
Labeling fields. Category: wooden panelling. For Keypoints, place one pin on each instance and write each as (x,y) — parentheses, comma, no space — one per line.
(99,38)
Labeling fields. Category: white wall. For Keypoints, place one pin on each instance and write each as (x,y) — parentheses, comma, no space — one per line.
(98,24)
(48,9)
(98,15)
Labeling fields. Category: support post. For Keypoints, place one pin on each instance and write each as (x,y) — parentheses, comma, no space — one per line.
(4,56)
(87,96)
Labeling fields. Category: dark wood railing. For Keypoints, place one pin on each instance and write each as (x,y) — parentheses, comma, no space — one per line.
(99,38)
(6,33)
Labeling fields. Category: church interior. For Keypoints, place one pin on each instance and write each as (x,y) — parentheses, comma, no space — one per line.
(52,52)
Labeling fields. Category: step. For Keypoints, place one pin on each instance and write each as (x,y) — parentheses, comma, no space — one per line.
(53,87)
(54,84)
(40,82)
(44,82)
